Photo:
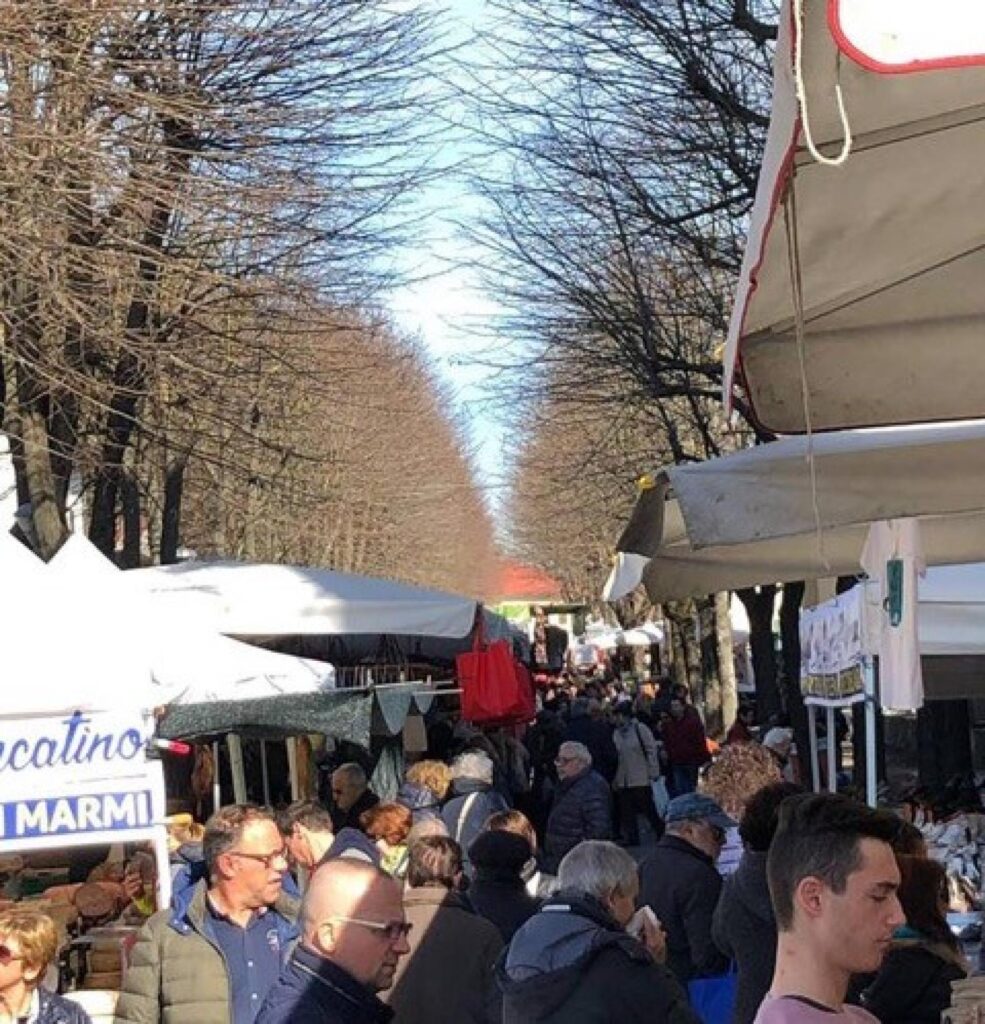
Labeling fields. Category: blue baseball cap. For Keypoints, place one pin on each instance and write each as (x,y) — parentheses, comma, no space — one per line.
(697,807)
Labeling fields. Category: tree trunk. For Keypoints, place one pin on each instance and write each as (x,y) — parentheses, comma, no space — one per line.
(726,659)
(793,698)
(174,484)
(132,521)
(47,516)
(677,669)
(759,607)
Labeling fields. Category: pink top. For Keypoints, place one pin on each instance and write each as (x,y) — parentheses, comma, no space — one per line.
(801,1010)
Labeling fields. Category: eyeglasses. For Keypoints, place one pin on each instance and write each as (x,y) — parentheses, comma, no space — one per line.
(266,859)
(564,760)
(393,930)
(7,955)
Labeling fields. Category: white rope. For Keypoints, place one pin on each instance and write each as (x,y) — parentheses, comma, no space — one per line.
(798,68)
(796,283)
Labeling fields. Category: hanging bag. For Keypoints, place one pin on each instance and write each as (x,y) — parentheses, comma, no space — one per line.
(496,688)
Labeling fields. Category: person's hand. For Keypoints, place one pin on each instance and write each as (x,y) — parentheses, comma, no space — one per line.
(133,885)
(655,939)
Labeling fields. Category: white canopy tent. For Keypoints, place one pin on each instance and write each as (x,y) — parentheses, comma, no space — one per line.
(886,245)
(771,514)
(240,599)
(188,662)
(608,638)
(56,640)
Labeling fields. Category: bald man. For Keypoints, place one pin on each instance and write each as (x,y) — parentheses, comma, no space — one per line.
(353,932)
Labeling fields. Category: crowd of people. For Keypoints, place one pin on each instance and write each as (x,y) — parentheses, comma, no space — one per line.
(473,898)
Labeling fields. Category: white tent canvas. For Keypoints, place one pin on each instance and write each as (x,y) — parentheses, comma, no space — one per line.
(888,246)
(74,638)
(240,599)
(755,517)
(188,662)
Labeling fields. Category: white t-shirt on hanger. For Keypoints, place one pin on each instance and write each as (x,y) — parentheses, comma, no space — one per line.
(900,676)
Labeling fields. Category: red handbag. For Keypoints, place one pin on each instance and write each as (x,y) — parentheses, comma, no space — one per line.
(496,688)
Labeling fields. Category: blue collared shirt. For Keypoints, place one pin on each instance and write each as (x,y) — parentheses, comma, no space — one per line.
(253,957)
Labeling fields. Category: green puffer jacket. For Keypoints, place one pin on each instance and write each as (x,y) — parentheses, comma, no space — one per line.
(177,974)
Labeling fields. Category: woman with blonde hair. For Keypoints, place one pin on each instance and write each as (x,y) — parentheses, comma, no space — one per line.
(28,945)
(426,786)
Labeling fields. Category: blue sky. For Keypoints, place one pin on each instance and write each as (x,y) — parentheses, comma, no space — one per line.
(445,304)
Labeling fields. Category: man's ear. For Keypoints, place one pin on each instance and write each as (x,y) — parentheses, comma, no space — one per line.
(326,936)
(809,895)
(225,866)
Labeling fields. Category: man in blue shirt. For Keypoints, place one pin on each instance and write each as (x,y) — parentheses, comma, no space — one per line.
(216,953)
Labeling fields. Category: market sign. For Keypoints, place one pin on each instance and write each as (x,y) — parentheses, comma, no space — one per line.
(74,746)
(70,815)
(832,648)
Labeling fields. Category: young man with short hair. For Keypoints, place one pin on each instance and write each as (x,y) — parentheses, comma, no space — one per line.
(307,830)
(833,881)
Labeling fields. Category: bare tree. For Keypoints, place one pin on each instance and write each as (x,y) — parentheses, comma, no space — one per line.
(172,175)
(366,469)
(633,133)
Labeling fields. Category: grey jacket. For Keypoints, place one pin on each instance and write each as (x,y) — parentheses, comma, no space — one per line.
(639,759)
(744,928)
(178,974)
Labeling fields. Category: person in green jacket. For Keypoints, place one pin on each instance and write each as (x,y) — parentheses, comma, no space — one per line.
(213,956)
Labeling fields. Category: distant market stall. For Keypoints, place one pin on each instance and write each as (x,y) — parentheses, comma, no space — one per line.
(374,631)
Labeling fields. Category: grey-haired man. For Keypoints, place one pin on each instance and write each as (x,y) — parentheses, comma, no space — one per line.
(680,882)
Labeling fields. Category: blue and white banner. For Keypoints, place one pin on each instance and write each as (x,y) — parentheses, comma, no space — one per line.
(65,815)
(73,746)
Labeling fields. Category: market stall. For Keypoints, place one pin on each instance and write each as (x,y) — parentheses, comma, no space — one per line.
(858,299)
(375,631)
(793,509)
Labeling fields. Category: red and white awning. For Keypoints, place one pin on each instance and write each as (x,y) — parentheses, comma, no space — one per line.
(889,243)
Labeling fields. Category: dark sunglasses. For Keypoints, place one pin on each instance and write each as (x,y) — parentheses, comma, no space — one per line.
(7,955)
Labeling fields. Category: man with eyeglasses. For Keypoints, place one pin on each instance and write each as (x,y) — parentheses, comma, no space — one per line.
(353,934)
(582,807)
(680,883)
(214,956)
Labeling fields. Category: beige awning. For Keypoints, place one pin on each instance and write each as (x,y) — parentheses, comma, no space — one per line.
(890,246)
(749,518)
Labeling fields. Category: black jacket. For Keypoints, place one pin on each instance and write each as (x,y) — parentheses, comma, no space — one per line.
(681,884)
(597,736)
(312,990)
(914,983)
(350,818)
(582,810)
(501,897)
(572,964)
(744,929)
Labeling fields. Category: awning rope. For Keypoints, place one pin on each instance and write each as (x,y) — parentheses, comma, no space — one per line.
(797,287)
(798,68)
